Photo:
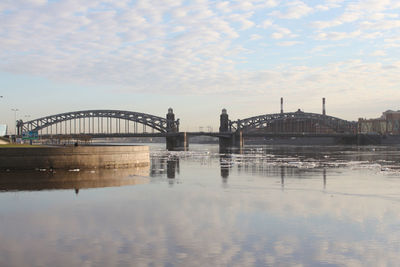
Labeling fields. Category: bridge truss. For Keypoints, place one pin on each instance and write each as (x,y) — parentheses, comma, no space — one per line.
(294,122)
(97,121)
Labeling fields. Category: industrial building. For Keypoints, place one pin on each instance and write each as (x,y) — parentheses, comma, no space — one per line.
(387,124)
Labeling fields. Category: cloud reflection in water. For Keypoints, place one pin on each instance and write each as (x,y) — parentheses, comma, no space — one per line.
(254,218)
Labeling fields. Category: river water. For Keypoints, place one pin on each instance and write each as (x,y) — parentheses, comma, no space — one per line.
(265,206)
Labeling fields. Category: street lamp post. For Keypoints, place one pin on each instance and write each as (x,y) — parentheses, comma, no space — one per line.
(15,120)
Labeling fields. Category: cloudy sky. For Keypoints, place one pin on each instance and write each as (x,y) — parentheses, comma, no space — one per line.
(199,57)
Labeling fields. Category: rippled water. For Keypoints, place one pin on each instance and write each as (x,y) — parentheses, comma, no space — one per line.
(266,206)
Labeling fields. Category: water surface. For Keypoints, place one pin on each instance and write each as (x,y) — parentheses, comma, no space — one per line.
(268,206)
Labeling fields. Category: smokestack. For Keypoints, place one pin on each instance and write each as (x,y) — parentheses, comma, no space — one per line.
(281,104)
(323,106)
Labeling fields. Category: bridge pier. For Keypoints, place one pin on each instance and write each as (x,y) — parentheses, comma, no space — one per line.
(233,140)
(177,142)
(20,124)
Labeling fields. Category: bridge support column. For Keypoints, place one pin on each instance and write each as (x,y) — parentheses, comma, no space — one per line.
(234,141)
(20,125)
(238,140)
(177,142)
(224,143)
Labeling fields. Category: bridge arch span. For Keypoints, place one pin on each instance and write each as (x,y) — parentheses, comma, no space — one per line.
(155,122)
(264,121)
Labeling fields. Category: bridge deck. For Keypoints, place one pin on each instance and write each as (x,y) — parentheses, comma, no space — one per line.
(189,134)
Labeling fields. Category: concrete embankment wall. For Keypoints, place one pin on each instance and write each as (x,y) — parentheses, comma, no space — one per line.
(81,157)
(4,141)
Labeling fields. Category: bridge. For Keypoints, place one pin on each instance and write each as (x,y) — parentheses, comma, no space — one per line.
(85,122)
(119,123)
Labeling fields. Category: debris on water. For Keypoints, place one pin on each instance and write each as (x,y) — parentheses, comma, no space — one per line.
(74,170)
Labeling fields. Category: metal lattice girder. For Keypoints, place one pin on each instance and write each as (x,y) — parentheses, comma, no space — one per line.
(263,121)
(155,122)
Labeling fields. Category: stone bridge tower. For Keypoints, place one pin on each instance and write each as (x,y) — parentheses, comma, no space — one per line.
(224,122)
(171,127)
(233,139)
(175,139)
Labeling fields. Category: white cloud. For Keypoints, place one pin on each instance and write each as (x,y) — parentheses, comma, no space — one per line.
(378,53)
(67,40)
(282,32)
(184,47)
(372,35)
(254,5)
(294,10)
(244,19)
(392,39)
(364,15)
(381,16)
(344,18)
(255,37)
(383,25)
(266,24)
(268,3)
(370,6)
(335,36)
(289,43)
(224,6)
(327,6)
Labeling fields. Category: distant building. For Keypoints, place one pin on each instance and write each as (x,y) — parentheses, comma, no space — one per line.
(388,123)
(3,129)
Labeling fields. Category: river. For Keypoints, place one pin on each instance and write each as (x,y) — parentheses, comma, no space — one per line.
(265,206)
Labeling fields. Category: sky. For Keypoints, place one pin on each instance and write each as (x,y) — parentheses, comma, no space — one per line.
(199,57)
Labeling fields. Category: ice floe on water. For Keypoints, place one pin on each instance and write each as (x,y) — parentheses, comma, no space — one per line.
(379,161)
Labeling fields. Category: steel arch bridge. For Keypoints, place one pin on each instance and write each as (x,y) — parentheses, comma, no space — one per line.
(266,121)
(157,123)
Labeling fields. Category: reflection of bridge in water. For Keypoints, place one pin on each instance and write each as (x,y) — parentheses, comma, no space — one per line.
(89,124)
(165,166)
(257,169)
(168,166)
